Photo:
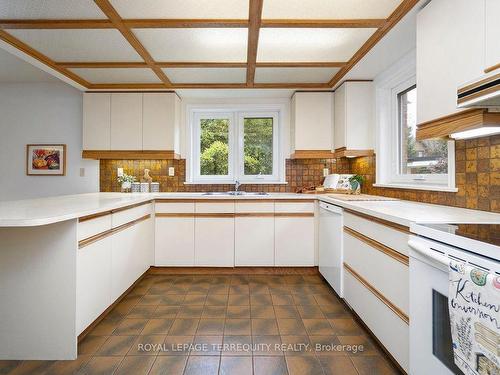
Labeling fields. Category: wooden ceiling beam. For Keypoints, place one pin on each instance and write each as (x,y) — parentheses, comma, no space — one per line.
(176,86)
(393,19)
(304,64)
(56,24)
(184,23)
(351,23)
(254,21)
(115,18)
(93,65)
(23,47)
(196,64)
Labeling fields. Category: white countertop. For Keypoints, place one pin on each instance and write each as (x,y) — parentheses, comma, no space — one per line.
(43,211)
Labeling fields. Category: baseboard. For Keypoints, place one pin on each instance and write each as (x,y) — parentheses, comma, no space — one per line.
(233,270)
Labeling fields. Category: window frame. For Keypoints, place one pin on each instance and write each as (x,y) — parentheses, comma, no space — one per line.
(236,139)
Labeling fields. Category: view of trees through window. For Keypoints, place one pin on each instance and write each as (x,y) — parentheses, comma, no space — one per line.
(258,146)
(418,157)
(214,147)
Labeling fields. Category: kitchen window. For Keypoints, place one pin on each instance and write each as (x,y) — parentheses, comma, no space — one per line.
(236,145)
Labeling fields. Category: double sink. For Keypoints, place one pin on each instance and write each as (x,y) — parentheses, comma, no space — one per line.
(234,193)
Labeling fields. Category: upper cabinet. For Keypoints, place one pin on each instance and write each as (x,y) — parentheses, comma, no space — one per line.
(131,125)
(312,125)
(354,119)
(450,52)
(492,35)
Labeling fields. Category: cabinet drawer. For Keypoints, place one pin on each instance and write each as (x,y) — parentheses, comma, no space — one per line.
(392,235)
(88,227)
(174,207)
(214,207)
(384,272)
(254,207)
(298,207)
(389,328)
(127,215)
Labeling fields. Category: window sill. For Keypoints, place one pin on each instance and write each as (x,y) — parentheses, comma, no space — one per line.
(243,183)
(418,187)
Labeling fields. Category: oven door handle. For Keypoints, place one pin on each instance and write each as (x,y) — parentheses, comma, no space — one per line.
(428,252)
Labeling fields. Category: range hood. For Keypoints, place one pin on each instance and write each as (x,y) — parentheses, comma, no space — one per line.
(482,93)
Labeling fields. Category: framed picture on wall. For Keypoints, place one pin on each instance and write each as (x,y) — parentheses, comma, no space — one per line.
(45,160)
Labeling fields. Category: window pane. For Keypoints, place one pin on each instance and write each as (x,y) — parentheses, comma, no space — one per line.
(258,146)
(418,157)
(214,147)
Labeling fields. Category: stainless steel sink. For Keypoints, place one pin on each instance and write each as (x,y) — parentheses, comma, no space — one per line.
(242,193)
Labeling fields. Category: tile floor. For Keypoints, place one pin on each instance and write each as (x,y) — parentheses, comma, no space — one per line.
(234,324)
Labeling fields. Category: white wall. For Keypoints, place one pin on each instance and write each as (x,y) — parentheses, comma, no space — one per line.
(42,113)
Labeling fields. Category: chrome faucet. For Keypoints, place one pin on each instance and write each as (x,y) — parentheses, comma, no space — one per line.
(237,186)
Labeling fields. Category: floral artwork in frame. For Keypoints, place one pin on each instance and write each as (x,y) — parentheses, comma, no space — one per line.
(46,160)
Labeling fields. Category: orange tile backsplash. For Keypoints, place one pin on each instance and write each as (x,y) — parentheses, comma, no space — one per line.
(477,176)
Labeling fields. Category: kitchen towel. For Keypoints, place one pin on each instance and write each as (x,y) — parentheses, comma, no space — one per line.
(474,304)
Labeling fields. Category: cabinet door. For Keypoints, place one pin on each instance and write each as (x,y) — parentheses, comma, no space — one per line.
(93,283)
(214,241)
(174,241)
(144,247)
(294,241)
(96,121)
(492,34)
(126,121)
(254,241)
(158,121)
(340,118)
(122,261)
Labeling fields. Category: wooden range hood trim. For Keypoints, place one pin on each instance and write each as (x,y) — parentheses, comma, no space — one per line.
(469,119)
(312,154)
(345,153)
(130,154)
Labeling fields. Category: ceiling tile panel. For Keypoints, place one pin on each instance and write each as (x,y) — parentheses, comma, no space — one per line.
(206,75)
(79,45)
(307,44)
(294,75)
(331,9)
(211,44)
(181,8)
(49,9)
(117,75)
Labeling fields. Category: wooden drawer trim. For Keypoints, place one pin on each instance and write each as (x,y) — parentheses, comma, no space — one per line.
(100,214)
(379,295)
(175,214)
(166,200)
(129,207)
(100,236)
(387,223)
(215,215)
(396,255)
(294,214)
(295,200)
(94,216)
(211,200)
(254,214)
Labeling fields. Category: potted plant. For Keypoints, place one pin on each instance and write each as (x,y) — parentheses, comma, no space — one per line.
(355,181)
(126,181)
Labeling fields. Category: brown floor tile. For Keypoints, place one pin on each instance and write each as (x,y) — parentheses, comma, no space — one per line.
(7,366)
(218,289)
(236,365)
(264,327)
(172,299)
(211,326)
(361,345)
(299,365)
(101,366)
(201,289)
(291,327)
(207,345)
(313,279)
(318,327)
(237,327)
(68,367)
(190,311)
(335,310)
(310,312)
(279,289)
(299,289)
(238,300)
(327,345)
(267,345)
(289,311)
(33,367)
(325,299)
(260,299)
(137,365)
(147,345)
(337,365)
(259,289)
(130,327)
(166,311)
(237,345)
(235,312)
(105,328)
(296,345)
(373,365)
(150,299)
(304,300)
(157,327)
(214,312)
(194,299)
(142,312)
(239,289)
(239,280)
(169,365)
(199,365)
(116,345)
(264,312)
(282,299)
(269,366)
(176,345)
(90,344)
(346,327)
(182,327)
(216,300)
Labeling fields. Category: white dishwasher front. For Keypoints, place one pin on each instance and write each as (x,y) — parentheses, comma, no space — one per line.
(331,251)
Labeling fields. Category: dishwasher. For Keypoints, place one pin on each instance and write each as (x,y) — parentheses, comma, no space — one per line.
(331,252)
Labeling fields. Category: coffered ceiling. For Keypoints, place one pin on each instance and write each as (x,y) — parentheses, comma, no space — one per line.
(176,44)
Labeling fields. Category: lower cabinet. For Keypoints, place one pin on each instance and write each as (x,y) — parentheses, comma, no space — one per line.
(254,241)
(174,241)
(214,241)
(93,292)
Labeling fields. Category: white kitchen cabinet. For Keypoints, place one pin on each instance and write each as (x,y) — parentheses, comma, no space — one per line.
(174,234)
(294,233)
(96,121)
(312,121)
(492,43)
(126,121)
(450,52)
(161,121)
(254,233)
(93,284)
(354,117)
